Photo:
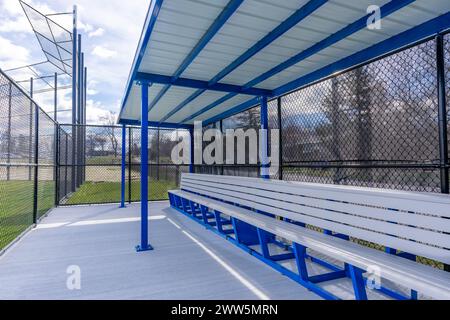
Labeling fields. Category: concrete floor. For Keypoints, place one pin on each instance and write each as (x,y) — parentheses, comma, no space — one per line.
(188,262)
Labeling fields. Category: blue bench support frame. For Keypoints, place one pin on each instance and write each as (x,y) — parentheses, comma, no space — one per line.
(204,215)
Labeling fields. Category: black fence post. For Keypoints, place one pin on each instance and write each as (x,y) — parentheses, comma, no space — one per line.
(280,141)
(130,160)
(66,164)
(74,158)
(57,146)
(157,154)
(8,155)
(442,113)
(36,163)
(30,148)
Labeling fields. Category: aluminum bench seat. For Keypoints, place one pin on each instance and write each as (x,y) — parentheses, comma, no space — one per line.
(318,205)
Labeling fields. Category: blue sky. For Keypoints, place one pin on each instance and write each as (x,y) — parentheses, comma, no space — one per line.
(111,31)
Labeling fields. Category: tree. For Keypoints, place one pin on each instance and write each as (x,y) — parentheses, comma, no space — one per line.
(101,141)
(109,120)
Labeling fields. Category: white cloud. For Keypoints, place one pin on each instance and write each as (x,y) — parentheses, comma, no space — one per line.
(95,110)
(12,55)
(97,33)
(103,52)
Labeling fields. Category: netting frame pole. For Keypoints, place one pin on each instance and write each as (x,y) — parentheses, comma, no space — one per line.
(83,118)
(78,115)
(55,98)
(123,166)
(74,94)
(144,246)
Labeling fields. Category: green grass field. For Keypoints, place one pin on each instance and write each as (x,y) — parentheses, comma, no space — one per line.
(16,201)
(107,192)
(16,206)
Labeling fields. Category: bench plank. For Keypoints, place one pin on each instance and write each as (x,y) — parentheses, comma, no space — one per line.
(419,202)
(286,203)
(419,220)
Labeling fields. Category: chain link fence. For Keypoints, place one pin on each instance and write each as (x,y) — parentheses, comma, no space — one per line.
(98,172)
(27,161)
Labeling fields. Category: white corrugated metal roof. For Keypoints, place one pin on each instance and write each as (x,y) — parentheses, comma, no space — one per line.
(242,39)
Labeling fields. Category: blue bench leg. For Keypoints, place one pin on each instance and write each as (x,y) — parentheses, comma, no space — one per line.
(193,208)
(171,199)
(178,202)
(185,205)
(218,221)
(300,259)
(264,238)
(359,285)
(235,228)
(204,211)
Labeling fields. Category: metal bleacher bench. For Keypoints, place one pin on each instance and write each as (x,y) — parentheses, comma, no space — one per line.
(255,212)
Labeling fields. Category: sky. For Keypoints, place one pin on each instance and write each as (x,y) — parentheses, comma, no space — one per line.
(110,30)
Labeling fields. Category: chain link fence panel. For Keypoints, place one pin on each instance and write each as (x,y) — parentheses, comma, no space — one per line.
(27,173)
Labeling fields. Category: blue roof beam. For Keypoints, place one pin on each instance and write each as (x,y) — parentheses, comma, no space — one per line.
(281,29)
(199,84)
(347,31)
(227,12)
(411,36)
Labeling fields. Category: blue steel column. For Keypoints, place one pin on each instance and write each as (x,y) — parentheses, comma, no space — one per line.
(144,246)
(74,94)
(79,104)
(192,146)
(123,176)
(264,144)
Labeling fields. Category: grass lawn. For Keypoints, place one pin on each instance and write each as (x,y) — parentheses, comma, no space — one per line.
(106,192)
(16,206)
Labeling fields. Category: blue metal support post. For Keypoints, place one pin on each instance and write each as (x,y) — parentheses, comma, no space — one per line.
(123,176)
(264,144)
(74,93)
(144,246)
(79,106)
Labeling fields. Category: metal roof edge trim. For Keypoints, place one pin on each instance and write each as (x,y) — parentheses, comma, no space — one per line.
(150,20)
